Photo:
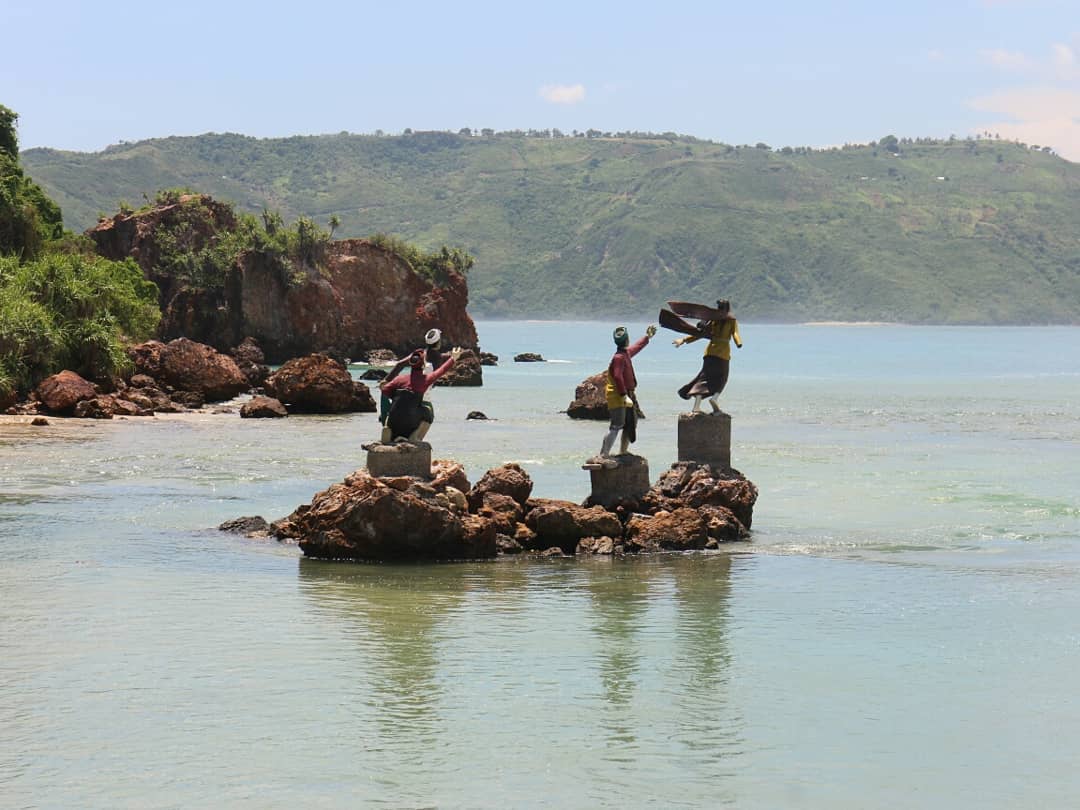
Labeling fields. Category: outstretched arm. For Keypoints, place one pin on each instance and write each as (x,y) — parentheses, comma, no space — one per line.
(455,353)
(735,333)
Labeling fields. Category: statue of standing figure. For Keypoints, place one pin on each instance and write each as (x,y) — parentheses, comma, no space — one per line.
(619,389)
(719,326)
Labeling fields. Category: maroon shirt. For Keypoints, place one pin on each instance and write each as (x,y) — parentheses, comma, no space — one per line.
(418,382)
(622,370)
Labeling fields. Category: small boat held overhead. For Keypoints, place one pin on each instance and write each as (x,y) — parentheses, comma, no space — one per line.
(699,312)
(669,320)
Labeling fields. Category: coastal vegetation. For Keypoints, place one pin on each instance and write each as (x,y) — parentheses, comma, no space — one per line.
(957,230)
(60,305)
(74,302)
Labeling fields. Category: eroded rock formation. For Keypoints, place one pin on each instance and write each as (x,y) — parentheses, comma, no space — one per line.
(360,296)
(399,517)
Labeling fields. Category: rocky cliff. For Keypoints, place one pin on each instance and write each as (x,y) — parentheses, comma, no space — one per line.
(353,297)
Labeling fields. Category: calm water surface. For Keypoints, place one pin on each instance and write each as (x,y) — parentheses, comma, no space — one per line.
(902,631)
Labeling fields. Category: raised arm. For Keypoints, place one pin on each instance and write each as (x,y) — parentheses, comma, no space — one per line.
(445,367)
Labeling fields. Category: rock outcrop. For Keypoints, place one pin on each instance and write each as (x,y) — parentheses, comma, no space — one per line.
(261,407)
(360,296)
(185,365)
(590,402)
(60,393)
(400,517)
(317,384)
(251,361)
(466,371)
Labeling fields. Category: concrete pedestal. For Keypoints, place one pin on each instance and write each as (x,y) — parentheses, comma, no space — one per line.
(399,458)
(705,438)
(626,480)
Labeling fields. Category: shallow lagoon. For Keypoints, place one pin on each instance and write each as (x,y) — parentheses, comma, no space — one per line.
(902,631)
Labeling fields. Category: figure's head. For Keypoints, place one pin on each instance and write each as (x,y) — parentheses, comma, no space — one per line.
(621,337)
(723,305)
(433,338)
(416,359)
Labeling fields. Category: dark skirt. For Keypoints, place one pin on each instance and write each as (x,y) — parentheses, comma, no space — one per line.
(709,381)
(406,413)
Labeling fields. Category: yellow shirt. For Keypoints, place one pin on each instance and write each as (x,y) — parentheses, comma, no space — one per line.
(720,335)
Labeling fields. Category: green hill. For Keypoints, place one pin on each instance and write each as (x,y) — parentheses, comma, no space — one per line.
(939,231)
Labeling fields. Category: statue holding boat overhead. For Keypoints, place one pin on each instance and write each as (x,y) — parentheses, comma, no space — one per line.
(715,324)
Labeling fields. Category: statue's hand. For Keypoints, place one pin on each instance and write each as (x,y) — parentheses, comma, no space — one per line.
(677,342)
(455,353)
(651,330)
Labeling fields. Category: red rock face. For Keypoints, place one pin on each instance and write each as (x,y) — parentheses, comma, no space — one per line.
(61,392)
(362,296)
(313,384)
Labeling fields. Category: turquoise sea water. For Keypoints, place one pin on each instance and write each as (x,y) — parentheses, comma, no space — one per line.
(903,630)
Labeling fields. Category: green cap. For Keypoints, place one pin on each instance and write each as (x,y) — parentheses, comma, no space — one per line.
(621,337)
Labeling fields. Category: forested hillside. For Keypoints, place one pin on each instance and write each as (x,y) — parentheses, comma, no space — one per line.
(958,231)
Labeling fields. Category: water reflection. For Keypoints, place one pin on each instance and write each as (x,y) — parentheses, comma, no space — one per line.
(708,723)
(392,613)
(619,593)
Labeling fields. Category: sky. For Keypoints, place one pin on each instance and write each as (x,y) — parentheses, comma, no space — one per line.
(82,76)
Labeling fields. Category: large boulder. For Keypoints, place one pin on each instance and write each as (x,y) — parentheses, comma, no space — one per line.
(60,393)
(365,518)
(189,366)
(565,524)
(251,361)
(315,383)
(261,407)
(509,479)
(448,473)
(590,401)
(362,400)
(681,530)
(466,371)
(688,483)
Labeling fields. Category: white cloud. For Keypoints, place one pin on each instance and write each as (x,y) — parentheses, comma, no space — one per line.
(1007,60)
(563,93)
(1063,56)
(1046,116)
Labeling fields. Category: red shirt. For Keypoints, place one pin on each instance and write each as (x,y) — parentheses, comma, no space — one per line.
(418,382)
(621,370)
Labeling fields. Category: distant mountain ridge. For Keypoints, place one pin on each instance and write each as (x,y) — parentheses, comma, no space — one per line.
(958,231)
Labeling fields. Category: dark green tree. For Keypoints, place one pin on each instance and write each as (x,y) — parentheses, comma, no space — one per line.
(28,219)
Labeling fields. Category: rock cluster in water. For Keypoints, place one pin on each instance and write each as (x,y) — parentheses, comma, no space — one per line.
(184,375)
(691,506)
